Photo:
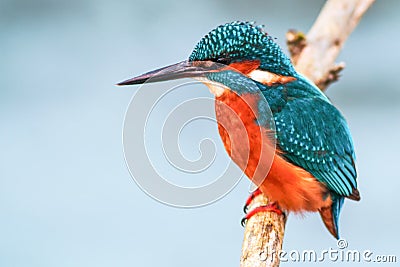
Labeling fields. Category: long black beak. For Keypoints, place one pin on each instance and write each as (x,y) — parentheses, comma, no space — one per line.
(184,69)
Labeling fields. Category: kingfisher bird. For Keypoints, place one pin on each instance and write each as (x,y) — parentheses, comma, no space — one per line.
(302,155)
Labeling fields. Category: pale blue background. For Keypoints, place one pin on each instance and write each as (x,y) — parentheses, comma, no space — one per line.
(66,197)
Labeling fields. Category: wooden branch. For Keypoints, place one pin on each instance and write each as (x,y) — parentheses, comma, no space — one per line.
(263,237)
(337,20)
(314,56)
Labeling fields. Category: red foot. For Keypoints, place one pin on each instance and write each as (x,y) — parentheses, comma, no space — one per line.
(250,199)
(271,207)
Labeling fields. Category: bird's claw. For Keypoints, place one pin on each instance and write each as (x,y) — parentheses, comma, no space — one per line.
(243,221)
(271,207)
(250,199)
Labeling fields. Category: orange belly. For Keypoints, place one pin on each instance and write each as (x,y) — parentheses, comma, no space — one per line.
(252,148)
(294,188)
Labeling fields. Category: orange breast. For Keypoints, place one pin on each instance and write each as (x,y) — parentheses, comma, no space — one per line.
(253,150)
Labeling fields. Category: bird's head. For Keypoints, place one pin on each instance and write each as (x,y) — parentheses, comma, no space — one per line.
(227,53)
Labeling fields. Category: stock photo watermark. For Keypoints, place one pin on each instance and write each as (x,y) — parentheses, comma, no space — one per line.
(157,116)
(341,253)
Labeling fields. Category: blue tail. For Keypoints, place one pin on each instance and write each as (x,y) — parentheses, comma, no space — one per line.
(330,215)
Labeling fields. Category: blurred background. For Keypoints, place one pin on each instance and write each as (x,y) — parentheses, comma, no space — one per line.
(66,196)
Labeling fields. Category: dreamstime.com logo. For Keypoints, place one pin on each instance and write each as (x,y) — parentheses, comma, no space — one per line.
(159,114)
(340,254)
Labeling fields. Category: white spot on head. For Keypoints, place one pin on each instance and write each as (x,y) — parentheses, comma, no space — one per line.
(269,78)
(262,76)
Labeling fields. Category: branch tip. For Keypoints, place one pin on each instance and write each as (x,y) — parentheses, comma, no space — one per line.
(295,41)
(332,76)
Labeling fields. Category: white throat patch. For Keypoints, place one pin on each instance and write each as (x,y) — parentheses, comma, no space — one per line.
(215,88)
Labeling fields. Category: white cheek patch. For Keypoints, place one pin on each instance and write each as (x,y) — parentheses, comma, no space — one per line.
(262,76)
(269,78)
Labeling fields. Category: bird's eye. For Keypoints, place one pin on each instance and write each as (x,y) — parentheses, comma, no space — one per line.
(225,61)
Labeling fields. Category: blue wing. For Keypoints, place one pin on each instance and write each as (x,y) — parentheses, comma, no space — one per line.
(313,134)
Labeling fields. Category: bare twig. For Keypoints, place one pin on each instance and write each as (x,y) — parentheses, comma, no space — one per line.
(296,41)
(314,56)
(337,20)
